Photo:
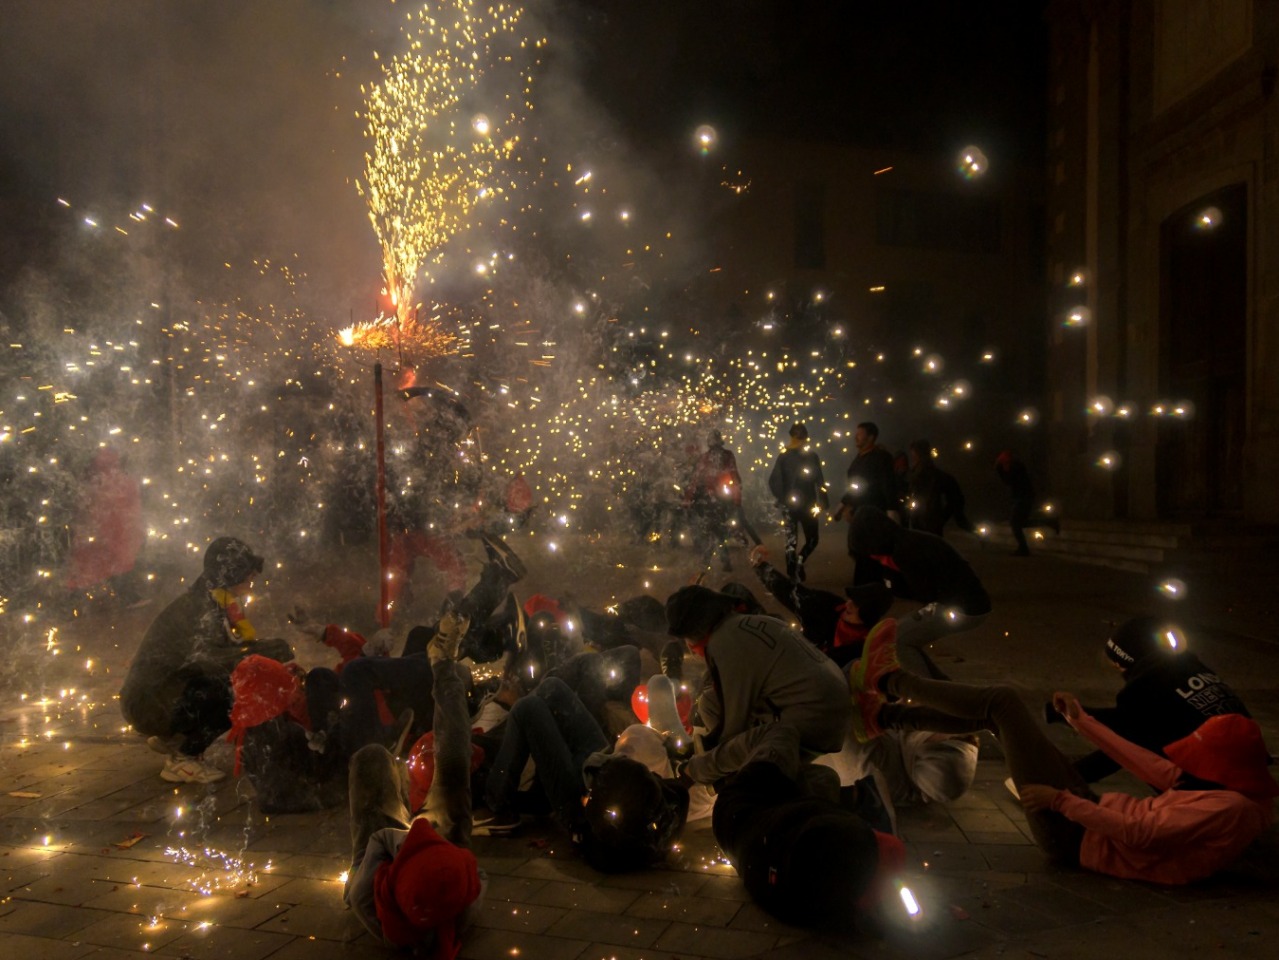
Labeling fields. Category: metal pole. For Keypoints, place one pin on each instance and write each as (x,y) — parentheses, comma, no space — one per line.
(383,540)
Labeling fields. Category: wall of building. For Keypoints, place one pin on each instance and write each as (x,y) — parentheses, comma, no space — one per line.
(1153,106)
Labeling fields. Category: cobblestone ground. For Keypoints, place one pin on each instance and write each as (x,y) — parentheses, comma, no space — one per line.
(99,857)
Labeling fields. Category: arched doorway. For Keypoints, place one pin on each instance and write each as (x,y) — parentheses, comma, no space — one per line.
(1203,356)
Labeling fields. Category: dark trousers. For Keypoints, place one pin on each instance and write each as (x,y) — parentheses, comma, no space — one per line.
(203,711)
(1026,517)
(795,521)
(553,727)
(1030,755)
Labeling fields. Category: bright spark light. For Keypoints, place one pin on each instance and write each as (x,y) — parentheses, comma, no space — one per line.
(423,176)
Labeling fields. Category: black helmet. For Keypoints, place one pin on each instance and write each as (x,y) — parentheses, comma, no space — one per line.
(229,561)
(1142,636)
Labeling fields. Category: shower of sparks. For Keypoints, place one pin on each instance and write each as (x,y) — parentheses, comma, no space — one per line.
(219,870)
(435,153)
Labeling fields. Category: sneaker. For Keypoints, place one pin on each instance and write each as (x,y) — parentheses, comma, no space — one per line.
(866,706)
(180,769)
(486,823)
(449,632)
(506,558)
(879,658)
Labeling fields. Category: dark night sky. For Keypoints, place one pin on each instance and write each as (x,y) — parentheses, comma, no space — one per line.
(233,114)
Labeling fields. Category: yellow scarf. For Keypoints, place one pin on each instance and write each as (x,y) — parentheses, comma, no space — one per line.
(240,625)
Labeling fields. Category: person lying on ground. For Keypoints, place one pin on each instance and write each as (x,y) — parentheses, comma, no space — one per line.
(836,625)
(802,856)
(413,882)
(1168,692)
(1216,791)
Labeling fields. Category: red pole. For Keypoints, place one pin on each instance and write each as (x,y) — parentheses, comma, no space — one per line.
(383,540)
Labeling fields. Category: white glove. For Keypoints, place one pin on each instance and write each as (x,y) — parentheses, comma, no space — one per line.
(379,645)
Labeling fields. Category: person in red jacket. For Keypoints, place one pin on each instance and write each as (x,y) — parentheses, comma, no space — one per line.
(108,532)
(1216,791)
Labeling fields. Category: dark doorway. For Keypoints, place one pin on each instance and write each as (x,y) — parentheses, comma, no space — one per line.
(1203,356)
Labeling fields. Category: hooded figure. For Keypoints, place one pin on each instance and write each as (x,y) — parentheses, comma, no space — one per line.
(1168,692)
(179,681)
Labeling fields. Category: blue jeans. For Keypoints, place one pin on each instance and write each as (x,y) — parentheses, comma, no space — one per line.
(550,725)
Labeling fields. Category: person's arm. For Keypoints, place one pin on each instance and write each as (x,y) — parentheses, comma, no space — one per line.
(778,585)
(1157,771)
(776,485)
(1211,815)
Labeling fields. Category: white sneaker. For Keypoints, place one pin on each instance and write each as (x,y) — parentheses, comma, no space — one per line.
(180,769)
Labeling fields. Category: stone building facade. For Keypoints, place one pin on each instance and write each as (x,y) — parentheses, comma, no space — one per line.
(1162,207)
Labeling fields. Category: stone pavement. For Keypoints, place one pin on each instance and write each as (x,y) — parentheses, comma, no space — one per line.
(99,857)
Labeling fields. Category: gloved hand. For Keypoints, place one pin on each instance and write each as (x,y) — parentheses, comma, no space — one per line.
(304,628)
(379,645)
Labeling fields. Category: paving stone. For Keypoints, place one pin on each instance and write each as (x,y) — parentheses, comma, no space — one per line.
(583,896)
(715,913)
(131,932)
(331,922)
(363,948)
(724,888)
(595,927)
(521,889)
(506,915)
(41,918)
(43,948)
(300,890)
(479,944)
(225,943)
(669,882)
(753,918)
(717,942)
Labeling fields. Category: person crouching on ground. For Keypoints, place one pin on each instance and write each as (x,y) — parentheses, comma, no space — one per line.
(759,672)
(178,688)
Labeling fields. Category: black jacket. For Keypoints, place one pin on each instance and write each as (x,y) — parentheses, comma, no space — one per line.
(872,481)
(796,482)
(1166,696)
(920,566)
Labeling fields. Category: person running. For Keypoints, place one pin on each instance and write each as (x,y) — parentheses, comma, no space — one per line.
(1026,514)
(798,487)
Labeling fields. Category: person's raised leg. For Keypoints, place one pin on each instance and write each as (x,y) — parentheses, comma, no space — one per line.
(1031,757)
(448,803)
(379,797)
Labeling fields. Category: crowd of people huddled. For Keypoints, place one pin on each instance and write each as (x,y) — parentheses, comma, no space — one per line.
(798,742)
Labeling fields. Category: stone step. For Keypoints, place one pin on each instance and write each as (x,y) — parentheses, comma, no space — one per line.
(1162,541)
(1159,528)
(1134,559)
